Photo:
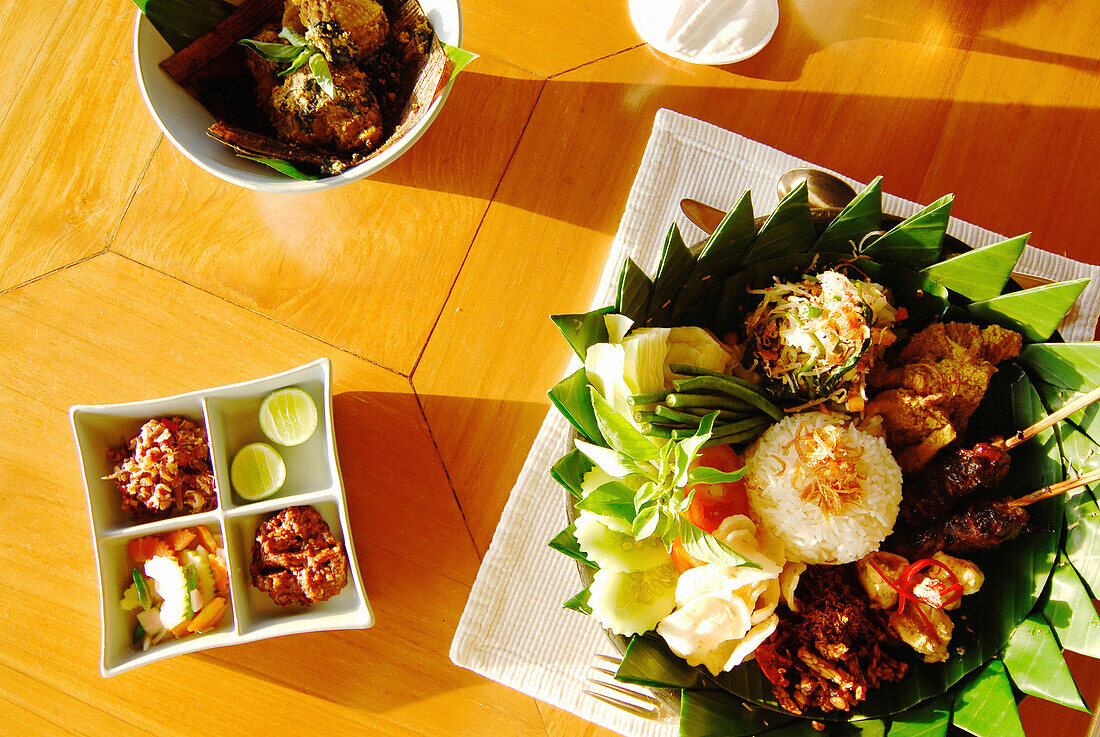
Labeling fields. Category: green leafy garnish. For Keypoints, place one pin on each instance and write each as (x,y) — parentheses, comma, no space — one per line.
(283,167)
(459,57)
(655,504)
(297,52)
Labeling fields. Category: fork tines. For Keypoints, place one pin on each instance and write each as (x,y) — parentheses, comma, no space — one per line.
(636,700)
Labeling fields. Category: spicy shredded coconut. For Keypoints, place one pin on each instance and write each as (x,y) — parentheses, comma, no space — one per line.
(165,469)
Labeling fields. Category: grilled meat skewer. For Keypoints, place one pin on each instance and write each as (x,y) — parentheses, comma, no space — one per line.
(982,525)
(951,475)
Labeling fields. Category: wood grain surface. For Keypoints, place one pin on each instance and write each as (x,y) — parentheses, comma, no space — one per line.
(126,272)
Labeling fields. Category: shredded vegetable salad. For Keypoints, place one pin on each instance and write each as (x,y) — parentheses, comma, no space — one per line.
(817,337)
(179,585)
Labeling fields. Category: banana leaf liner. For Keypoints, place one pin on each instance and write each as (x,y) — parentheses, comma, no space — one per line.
(1037,600)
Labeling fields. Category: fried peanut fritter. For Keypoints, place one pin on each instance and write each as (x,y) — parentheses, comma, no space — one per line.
(345,31)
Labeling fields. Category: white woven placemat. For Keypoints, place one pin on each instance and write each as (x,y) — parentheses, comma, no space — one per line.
(514,629)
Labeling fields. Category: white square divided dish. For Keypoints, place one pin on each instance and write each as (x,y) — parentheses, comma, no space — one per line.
(230,415)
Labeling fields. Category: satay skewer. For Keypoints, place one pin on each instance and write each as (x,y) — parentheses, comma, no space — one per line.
(1029,432)
(1060,487)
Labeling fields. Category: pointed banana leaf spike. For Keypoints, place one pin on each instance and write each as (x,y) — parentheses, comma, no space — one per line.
(982,273)
(565,542)
(675,267)
(730,240)
(717,261)
(789,229)
(1070,612)
(584,330)
(569,471)
(1036,666)
(579,602)
(930,719)
(635,290)
(1083,539)
(570,396)
(915,242)
(985,706)
(863,215)
(1068,365)
(1036,312)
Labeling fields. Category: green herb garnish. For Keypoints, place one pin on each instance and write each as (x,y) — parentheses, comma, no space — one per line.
(297,52)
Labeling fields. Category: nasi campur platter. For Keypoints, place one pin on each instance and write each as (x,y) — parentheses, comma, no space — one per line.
(831,472)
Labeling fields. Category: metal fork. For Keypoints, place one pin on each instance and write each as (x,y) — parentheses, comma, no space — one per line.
(633,699)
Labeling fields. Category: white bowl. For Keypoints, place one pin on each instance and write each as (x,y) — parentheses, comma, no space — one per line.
(230,415)
(184,121)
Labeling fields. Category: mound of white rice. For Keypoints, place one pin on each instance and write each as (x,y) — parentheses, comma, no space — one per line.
(828,490)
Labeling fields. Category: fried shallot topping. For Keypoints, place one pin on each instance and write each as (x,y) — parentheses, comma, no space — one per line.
(829,476)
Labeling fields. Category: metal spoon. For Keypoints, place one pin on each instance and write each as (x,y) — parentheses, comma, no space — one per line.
(825,190)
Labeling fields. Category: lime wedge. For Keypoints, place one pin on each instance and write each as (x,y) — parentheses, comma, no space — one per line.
(288,416)
(257,471)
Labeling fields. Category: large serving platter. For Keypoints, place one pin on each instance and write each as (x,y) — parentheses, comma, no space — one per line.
(1021,393)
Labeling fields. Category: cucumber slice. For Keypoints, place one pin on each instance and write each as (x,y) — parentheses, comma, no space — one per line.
(138,635)
(632,602)
(614,550)
(170,581)
(203,573)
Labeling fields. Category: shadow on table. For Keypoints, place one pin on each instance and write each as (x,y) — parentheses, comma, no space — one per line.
(584,139)
(584,179)
(806,27)
(417,563)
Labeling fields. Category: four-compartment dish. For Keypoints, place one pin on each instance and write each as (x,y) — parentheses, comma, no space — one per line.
(229,415)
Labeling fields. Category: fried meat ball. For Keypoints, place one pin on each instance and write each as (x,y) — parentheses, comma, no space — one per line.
(303,113)
(345,31)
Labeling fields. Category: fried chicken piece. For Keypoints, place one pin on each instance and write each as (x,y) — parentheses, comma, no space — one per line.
(941,341)
(345,31)
(881,593)
(303,113)
(917,427)
(929,641)
(934,384)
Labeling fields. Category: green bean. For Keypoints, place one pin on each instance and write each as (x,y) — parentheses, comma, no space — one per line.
(659,431)
(687,370)
(714,383)
(739,439)
(735,428)
(709,402)
(751,425)
(672,415)
(655,418)
(724,415)
(646,398)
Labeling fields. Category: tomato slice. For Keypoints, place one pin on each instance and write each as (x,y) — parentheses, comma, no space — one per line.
(681,559)
(712,503)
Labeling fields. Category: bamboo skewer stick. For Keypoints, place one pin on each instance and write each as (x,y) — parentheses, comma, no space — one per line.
(1029,432)
(1055,489)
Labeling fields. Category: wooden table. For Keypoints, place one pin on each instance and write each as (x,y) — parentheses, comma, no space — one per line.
(127,273)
